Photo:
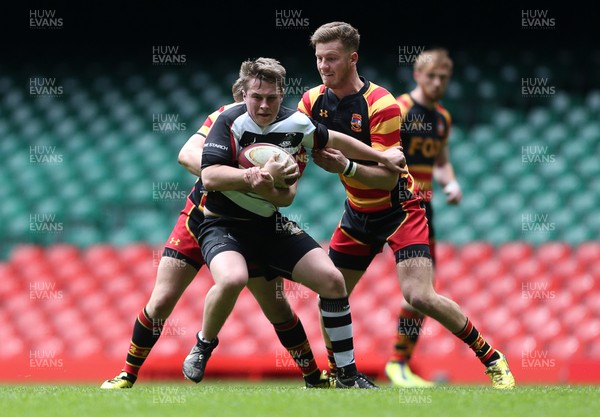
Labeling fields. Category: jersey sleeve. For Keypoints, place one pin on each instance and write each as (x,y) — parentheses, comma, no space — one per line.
(219,147)
(319,137)
(385,122)
(210,120)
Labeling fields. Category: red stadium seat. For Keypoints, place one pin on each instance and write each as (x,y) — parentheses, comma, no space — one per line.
(26,254)
(588,331)
(61,254)
(528,271)
(588,253)
(565,347)
(490,271)
(514,252)
(574,316)
(475,253)
(552,253)
(139,252)
(444,252)
(98,254)
(517,345)
(523,300)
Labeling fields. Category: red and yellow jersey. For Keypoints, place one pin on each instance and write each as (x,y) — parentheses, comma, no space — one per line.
(372,115)
(205,128)
(425,132)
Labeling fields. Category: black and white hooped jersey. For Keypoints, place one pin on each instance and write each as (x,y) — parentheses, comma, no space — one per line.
(235,129)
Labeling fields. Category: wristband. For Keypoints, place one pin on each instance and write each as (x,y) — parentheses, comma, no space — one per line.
(452,186)
(350,169)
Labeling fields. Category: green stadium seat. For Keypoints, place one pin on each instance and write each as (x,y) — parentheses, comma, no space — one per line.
(505,119)
(500,151)
(592,100)
(521,134)
(474,168)
(83,236)
(588,168)
(578,116)
(560,103)
(483,135)
(556,134)
(539,118)
(513,168)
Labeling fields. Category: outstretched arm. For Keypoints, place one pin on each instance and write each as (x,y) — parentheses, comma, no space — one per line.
(375,176)
(190,155)
(393,158)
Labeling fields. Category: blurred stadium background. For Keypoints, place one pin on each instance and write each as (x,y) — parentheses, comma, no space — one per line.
(89,137)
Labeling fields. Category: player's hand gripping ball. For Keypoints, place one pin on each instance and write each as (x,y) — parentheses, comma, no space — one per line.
(257,155)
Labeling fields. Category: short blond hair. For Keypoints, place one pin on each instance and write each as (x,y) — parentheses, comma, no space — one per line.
(436,56)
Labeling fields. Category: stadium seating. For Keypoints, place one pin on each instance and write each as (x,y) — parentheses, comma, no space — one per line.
(82,303)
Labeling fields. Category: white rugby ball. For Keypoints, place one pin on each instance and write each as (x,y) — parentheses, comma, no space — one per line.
(257,155)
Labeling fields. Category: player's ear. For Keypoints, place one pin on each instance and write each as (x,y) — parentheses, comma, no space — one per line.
(354,58)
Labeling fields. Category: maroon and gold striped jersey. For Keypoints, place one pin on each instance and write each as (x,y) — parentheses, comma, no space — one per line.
(372,115)
(210,120)
(425,132)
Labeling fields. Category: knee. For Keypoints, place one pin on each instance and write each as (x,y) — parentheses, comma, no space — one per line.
(232,282)
(420,300)
(333,285)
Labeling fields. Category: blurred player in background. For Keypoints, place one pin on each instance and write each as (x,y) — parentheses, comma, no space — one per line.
(425,131)
(181,261)
(245,236)
(380,206)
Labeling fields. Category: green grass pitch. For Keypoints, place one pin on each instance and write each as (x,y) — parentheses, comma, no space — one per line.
(285,398)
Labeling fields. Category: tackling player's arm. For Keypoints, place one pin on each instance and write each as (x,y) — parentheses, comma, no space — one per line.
(374,176)
(393,157)
(190,154)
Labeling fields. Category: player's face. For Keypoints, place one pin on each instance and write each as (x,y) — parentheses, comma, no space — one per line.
(433,80)
(334,63)
(263,100)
